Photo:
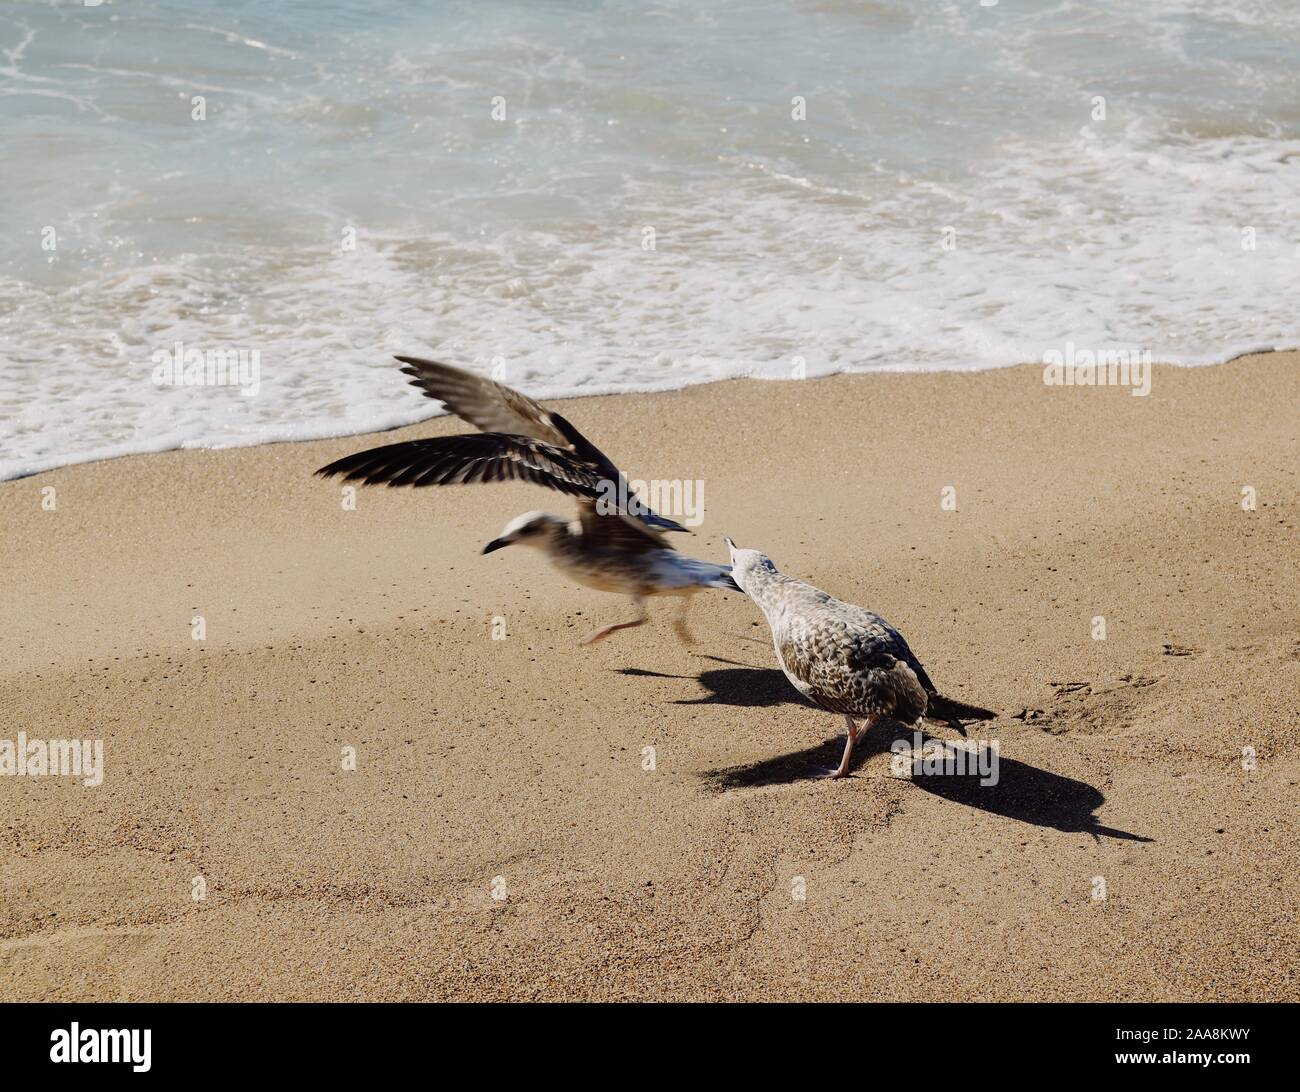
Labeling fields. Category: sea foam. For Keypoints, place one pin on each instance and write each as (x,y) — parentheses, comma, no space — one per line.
(619,199)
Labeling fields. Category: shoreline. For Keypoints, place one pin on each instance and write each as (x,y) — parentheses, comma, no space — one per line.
(522,759)
(575,394)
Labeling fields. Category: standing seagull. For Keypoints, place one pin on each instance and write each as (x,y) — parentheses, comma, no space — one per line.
(841,657)
(612,546)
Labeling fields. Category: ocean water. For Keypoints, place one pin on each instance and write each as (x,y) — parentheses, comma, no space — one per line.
(594,197)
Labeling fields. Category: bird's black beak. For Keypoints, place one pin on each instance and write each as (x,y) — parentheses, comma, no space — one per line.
(496,544)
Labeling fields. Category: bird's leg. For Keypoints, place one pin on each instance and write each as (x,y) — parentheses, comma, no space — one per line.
(679,623)
(867,725)
(850,738)
(601,634)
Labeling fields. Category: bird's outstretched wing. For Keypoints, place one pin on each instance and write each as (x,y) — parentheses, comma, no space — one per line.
(494,407)
(484,403)
(475,457)
(521,440)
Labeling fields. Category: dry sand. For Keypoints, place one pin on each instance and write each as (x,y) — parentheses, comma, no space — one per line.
(522,758)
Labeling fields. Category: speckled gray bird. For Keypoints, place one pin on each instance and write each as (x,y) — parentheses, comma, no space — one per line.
(614,545)
(843,658)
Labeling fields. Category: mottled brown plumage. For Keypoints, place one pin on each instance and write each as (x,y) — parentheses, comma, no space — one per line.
(843,658)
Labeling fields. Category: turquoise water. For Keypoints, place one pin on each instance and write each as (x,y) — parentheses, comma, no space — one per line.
(951,198)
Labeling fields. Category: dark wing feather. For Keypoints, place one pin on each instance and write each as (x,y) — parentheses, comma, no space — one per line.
(889,639)
(617,533)
(892,685)
(484,403)
(474,457)
(854,675)
(494,407)
(909,657)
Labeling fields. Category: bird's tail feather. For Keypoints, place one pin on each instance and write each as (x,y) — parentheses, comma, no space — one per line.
(660,523)
(702,574)
(950,710)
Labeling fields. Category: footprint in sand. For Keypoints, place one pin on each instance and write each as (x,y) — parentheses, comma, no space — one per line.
(1088,708)
(1063,689)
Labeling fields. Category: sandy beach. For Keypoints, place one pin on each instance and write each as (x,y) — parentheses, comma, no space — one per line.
(500,836)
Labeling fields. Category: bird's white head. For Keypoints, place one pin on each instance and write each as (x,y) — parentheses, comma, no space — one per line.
(750,569)
(530,529)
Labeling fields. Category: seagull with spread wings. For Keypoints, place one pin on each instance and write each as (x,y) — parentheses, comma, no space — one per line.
(614,545)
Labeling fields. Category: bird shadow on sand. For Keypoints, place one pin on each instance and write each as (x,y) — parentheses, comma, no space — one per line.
(1022,791)
(739,685)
